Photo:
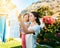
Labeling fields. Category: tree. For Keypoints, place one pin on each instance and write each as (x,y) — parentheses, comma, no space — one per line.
(44,11)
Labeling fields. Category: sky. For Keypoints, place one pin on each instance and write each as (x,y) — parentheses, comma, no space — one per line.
(22,4)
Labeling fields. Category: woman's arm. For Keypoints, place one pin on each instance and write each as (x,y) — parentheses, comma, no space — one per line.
(26,29)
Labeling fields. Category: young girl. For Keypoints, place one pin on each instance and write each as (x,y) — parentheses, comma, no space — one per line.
(25,19)
(32,31)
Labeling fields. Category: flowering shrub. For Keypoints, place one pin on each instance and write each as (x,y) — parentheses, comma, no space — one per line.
(50,33)
(49,24)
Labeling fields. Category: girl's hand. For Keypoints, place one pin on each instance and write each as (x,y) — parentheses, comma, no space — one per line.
(21,17)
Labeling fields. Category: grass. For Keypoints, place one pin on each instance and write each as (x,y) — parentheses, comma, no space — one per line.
(11,43)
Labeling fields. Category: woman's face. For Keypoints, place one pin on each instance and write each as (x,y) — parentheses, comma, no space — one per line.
(31,17)
(26,18)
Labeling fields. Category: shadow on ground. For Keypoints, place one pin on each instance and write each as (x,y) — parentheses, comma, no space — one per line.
(17,47)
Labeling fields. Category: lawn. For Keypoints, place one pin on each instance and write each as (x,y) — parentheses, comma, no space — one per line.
(13,43)
(10,43)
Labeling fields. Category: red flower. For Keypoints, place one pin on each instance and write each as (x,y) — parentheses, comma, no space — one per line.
(48,20)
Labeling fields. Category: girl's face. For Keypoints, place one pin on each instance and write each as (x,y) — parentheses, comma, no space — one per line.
(26,18)
(31,17)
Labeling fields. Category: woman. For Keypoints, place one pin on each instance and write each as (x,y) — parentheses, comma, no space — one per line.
(26,22)
(32,31)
